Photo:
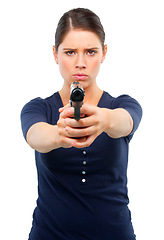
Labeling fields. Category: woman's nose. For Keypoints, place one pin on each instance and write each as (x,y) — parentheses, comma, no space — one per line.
(80,62)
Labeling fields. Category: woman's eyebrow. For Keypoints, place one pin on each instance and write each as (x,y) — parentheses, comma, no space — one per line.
(69,49)
(74,49)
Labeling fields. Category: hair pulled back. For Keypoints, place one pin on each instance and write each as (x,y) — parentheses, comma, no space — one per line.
(79,18)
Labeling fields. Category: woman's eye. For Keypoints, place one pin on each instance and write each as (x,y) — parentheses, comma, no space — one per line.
(91,52)
(70,53)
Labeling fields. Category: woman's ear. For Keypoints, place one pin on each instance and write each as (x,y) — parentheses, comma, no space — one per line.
(55,54)
(104,53)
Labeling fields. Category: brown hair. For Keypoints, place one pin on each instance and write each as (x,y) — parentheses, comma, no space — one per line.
(79,18)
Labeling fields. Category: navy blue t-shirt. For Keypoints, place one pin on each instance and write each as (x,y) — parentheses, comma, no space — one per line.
(82,193)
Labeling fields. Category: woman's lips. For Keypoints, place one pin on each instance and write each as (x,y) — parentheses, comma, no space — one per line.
(80,76)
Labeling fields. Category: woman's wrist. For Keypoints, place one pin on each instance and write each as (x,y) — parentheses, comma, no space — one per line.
(107,115)
(55,138)
(118,122)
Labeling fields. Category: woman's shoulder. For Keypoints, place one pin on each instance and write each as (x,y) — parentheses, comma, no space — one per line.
(51,101)
(123,99)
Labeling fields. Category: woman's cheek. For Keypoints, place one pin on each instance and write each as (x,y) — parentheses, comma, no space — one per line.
(95,67)
(66,69)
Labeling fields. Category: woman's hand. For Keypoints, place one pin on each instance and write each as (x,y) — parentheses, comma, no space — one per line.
(83,132)
(63,138)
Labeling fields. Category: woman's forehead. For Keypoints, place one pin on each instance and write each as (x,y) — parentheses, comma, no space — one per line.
(81,39)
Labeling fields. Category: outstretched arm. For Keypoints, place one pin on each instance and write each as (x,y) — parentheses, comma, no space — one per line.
(44,137)
(69,132)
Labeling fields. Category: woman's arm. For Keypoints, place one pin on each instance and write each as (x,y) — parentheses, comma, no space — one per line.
(119,122)
(44,137)
(69,132)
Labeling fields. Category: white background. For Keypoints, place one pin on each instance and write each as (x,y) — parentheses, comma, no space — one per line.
(134,66)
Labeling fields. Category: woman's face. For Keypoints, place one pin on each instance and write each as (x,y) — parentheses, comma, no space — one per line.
(79,57)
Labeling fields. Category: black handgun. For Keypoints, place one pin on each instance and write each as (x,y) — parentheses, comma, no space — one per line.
(77,94)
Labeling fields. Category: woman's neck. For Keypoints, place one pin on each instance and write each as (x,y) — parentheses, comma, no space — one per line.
(93,95)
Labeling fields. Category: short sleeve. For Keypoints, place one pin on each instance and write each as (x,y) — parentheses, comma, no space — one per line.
(133,107)
(33,112)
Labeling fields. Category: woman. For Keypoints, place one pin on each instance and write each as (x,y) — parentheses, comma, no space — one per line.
(81,164)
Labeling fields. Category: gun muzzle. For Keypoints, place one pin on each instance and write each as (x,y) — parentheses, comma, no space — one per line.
(77,94)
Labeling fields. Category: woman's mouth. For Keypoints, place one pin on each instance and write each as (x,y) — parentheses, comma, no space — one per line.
(80,76)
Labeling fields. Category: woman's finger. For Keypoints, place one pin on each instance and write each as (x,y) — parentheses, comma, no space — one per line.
(68,112)
(82,123)
(88,109)
(88,141)
(79,132)
(63,108)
